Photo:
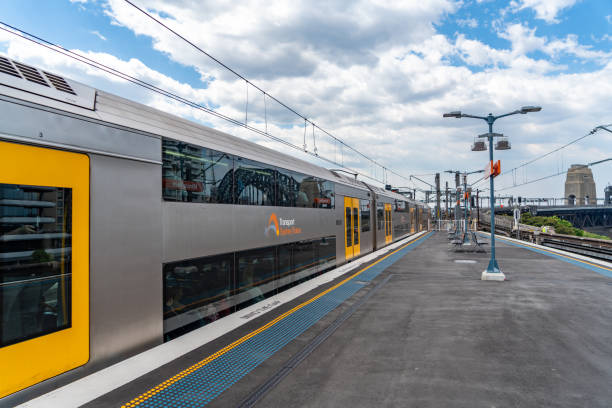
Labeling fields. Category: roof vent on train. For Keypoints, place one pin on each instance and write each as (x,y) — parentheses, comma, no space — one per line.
(31,74)
(30,79)
(8,68)
(59,83)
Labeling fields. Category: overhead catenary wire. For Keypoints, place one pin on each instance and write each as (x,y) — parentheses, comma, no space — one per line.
(560,173)
(195,46)
(98,65)
(522,165)
(552,151)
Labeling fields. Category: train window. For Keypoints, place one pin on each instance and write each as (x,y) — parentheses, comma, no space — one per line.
(289,194)
(380,215)
(256,274)
(254,182)
(196,292)
(402,226)
(196,174)
(327,253)
(325,199)
(386,222)
(304,259)
(299,261)
(285,263)
(35,261)
(199,291)
(304,255)
(349,230)
(306,189)
(365,215)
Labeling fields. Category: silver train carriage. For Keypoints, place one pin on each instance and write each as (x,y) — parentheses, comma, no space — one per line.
(122,227)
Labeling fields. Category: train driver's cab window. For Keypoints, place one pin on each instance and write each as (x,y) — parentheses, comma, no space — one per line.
(35,261)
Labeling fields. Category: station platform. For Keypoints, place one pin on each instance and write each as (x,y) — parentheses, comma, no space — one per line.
(415,327)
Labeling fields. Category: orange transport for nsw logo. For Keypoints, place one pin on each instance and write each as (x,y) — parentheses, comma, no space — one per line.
(281,226)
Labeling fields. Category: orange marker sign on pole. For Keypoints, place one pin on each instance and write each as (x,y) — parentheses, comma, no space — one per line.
(492,169)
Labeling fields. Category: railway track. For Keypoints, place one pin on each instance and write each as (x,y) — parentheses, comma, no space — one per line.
(594,248)
(591,247)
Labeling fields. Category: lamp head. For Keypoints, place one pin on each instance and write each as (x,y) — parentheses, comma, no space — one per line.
(453,114)
(527,109)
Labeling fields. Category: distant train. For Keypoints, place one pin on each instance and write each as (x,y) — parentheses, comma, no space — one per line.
(122,226)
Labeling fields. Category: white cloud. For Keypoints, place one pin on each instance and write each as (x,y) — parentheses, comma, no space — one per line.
(97,34)
(524,40)
(546,10)
(467,22)
(570,46)
(379,79)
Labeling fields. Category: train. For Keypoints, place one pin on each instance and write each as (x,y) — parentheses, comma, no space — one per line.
(122,226)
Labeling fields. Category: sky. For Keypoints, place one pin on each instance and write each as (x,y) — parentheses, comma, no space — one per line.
(377,74)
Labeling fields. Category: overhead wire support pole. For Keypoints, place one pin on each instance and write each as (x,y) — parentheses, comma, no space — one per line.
(422,181)
(466,237)
(493,272)
(246,109)
(600,161)
(265,111)
(305,126)
(602,127)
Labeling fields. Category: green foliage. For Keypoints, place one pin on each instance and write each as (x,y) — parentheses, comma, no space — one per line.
(40,255)
(560,226)
(591,235)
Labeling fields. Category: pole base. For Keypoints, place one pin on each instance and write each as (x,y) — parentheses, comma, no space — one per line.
(493,273)
(499,277)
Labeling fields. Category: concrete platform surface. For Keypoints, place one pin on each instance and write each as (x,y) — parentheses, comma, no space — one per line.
(435,335)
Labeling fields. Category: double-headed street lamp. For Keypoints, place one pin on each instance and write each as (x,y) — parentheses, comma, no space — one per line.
(493,272)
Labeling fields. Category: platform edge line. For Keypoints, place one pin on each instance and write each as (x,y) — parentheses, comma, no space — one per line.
(544,249)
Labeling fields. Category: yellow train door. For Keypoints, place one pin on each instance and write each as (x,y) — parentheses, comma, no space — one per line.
(412,220)
(356,228)
(352,229)
(44,253)
(388,224)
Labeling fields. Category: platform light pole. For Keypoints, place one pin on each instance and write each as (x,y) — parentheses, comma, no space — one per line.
(492,272)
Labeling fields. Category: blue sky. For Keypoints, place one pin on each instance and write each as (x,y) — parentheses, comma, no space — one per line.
(378,74)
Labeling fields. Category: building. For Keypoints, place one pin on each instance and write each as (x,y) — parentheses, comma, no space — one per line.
(580,186)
